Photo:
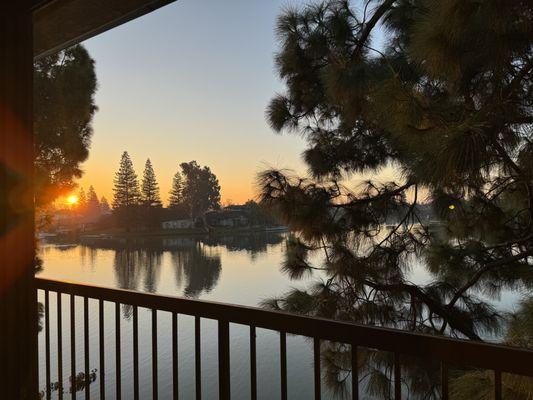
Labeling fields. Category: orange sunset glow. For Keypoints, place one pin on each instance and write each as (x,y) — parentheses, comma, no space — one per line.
(72,199)
(186,111)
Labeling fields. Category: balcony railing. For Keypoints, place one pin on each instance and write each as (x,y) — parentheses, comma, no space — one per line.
(448,352)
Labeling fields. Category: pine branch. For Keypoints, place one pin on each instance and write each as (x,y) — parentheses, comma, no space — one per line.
(456,322)
(518,78)
(372,22)
(510,242)
(404,219)
(475,278)
(380,196)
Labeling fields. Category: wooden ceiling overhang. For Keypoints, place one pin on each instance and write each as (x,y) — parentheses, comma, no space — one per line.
(58,24)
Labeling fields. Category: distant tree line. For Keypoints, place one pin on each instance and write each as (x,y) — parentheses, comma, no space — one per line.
(137,204)
(195,190)
(89,206)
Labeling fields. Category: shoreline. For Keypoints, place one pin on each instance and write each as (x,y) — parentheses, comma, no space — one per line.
(177,232)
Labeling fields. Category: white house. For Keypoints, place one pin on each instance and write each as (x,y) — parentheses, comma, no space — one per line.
(178,224)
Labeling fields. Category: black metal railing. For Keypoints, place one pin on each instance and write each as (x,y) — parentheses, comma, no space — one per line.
(447,351)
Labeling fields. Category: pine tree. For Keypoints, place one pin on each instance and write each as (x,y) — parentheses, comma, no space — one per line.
(93,205)
(176,193)
(126,190)
(104,206)
(82,201)
(149,189)
(444,97)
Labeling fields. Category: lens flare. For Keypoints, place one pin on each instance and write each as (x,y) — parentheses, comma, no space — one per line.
(72,200)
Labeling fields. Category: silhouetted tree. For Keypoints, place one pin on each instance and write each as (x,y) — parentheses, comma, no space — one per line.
(445,98)
(82,201)
(64,88)
(104,206)
(150,198)
(93,205)
(201,190)
(176,192)
(126,192)
(149,187)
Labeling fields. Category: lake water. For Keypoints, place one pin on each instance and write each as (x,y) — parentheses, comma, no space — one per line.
(234,269)
(240,269)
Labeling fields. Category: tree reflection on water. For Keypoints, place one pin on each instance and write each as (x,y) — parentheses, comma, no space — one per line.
(195,260)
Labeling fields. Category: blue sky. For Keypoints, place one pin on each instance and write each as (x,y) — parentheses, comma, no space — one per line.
(191,81)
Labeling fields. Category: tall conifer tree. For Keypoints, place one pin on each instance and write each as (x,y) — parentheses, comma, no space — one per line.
(149,188)
(82,201)
(126,190)
(104,206)
(176,192)
(93,205)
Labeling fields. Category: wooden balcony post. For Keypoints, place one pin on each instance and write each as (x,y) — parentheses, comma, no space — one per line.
(224,375)
(18,300)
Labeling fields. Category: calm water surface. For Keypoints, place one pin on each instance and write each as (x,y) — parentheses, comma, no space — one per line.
(234,269)
(238,269)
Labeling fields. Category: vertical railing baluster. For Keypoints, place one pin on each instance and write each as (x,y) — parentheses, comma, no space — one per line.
(397,377)
(198,358)
(283,363)
(497,385)
(224,356)
(135,353)
(86,347)
(118,372)
(175,375)
(355,373)
(223,361)
(253,364)
(444,380)
(47,341)
(154,355)
(72,348)
(102,349)
(316,359)
(59,348)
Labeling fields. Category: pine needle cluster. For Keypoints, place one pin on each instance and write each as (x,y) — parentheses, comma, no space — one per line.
(445,97)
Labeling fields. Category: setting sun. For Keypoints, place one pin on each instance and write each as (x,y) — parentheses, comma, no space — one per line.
(72,200)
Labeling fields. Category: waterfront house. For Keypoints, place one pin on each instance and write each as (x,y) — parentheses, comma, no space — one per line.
(178,224)
(227,218)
